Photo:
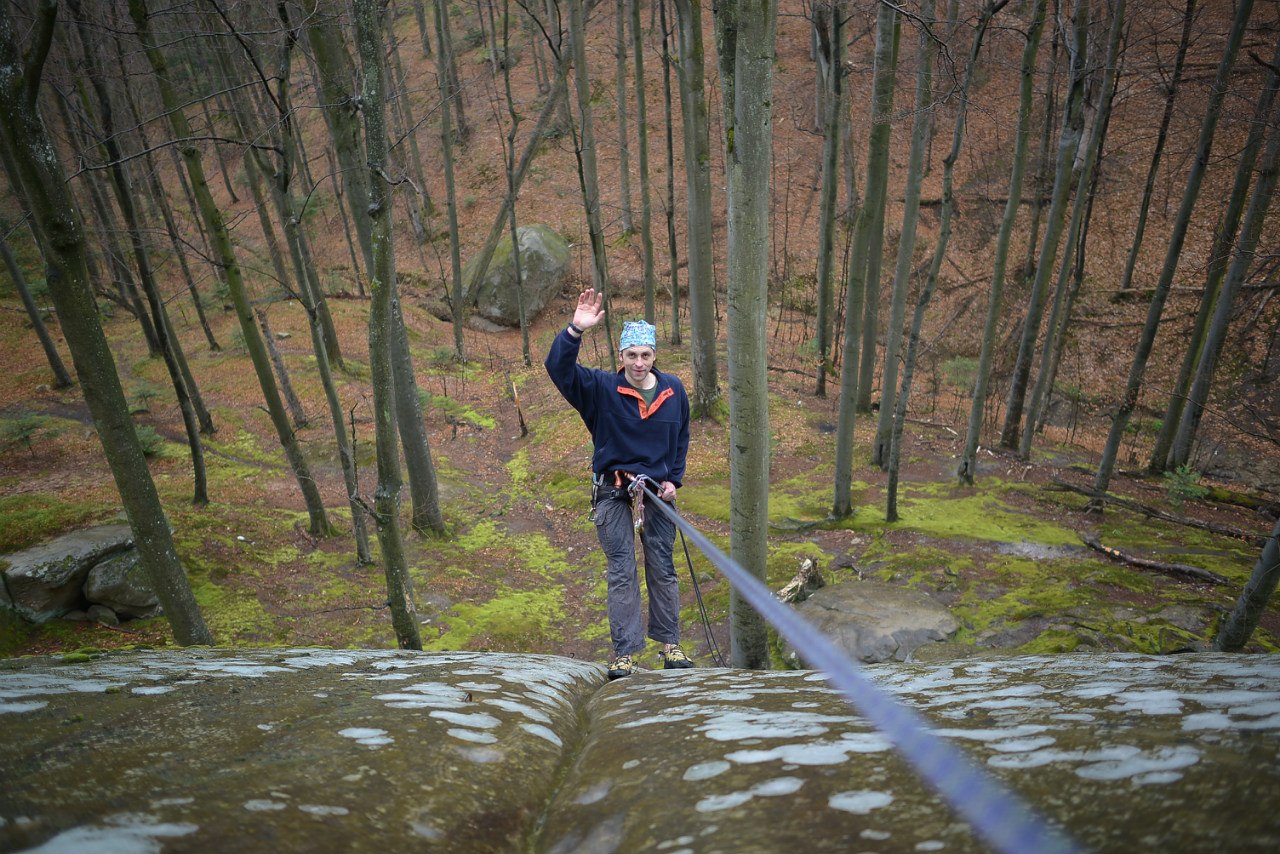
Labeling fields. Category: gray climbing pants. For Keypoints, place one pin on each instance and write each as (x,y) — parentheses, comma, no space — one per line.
(616,531)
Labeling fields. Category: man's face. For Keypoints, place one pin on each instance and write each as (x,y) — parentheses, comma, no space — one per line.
(637,362)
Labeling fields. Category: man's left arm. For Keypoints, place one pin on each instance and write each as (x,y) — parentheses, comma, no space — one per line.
(681,450)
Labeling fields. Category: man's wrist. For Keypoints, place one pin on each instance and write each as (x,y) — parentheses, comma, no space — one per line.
(575,330)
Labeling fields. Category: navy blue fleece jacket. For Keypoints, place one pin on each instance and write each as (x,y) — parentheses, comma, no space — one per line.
(628,436)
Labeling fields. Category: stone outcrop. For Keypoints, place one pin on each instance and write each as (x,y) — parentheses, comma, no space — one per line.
(874,622)
(380,751)
(544,263)
(47,581)
(120,583)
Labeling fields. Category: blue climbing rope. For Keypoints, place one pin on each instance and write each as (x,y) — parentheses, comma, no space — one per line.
(996,813)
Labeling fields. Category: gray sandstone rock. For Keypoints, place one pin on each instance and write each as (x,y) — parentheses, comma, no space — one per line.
(103,614)
(874,622)
(45,581)
(120,584)
(382,751)
(544,263)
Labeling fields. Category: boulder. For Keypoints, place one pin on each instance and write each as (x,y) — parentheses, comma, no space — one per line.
(199,750)
(102,614)
(46,581)
(544,263)
(119,583)
(874,622)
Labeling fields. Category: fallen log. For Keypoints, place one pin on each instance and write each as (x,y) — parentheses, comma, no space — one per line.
(1182,569)
(1156,513)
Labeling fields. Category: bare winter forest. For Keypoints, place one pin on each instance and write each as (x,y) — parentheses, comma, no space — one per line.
(914,262)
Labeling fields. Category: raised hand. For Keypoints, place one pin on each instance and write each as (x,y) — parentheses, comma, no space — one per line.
(590,310)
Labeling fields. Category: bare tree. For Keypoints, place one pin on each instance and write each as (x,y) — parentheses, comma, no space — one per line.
(61,379)
(1239,626)
(386,507)
(1215,337)
(747,33)
(852,377)
(1224,238)
(451,194)
(920,126)
(1060,314)
(1064,175)
(969,459)
(217,228)
(43,181)
(829,26)
(989,11)
(620,87)
(642,152)
(1177,238)
(697,164)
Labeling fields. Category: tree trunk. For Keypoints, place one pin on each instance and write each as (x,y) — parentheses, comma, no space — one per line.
(424,490)
(1244,618)
(697,164)
(855,293)
(1219,258)
(451,195)
(160,201)
(642,151)
(620,86)
(1040,179)
(454,102)
(231,269)
(989,11)
(1250,232)
(290,161)
(296,411)
(404,128)
(1177,238)
(127,294)
(170,348)
(906,241)
(749,163)
(1171,94)
(420,13)
(830,40)
(672,249)
(887,32)
(1068,142)
(1080,205)
(588,174)
(341,115)
(404,617)
(61,379)
(43,181)
(969,459)
(510,162)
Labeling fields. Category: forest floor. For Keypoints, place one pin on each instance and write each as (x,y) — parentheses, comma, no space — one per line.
(519,569)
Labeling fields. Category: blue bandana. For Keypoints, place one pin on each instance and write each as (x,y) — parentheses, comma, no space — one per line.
(637,333)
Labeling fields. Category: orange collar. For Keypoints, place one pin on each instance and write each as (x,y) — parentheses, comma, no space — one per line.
(646,409)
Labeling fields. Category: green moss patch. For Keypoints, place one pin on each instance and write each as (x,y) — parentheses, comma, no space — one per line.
(528,619)
(30,519)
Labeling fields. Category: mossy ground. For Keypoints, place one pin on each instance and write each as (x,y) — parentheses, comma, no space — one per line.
(519,568)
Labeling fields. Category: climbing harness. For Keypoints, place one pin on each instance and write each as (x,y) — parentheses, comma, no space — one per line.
(996,813)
